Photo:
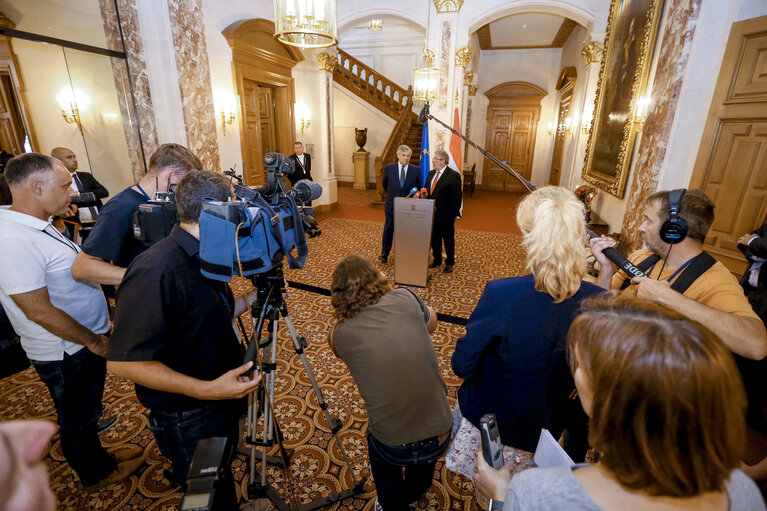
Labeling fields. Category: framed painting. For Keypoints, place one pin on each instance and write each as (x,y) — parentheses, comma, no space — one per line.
(632,26)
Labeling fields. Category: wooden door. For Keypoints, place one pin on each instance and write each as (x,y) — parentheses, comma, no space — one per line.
(511,132)
(11,126)
(731,167)
(266,119)
(560,138)
(254,168)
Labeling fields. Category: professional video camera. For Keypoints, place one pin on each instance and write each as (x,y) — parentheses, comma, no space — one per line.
(252,235)
(154,219)
(210,486)
(84,200)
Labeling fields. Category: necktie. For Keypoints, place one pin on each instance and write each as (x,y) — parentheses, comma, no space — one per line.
(434,182)
(401,176)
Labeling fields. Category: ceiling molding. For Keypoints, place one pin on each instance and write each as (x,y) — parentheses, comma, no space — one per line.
(564,32)
(483,36)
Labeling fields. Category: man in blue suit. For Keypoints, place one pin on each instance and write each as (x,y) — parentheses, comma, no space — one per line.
(398,179)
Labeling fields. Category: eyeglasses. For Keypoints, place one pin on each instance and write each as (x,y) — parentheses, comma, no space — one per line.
(438,159)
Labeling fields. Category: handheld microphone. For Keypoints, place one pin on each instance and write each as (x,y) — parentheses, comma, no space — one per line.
(424,114)
(307,190)
(412,192)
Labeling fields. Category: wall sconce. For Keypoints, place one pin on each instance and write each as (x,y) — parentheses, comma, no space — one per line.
(68,105)
(375,25)
(304,116)
(227,107)
(551,129)
(567,126)
(586,122)
(640,112)
(226,120)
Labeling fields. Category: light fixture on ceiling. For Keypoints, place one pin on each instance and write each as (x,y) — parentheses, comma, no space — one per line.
(426,76)
(375,25)
(306,23)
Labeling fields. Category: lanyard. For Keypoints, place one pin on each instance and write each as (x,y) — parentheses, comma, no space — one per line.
(678,270)
(143,192)
(61,239)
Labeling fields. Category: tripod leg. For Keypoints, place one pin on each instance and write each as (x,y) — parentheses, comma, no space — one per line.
(335,424)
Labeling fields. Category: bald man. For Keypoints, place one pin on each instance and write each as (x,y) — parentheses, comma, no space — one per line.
(82,182)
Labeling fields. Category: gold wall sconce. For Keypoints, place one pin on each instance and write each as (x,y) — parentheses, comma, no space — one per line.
(304,116)
(586,123)
(375,25)
(551,129)
(226,119)
(68,105)
(640,112)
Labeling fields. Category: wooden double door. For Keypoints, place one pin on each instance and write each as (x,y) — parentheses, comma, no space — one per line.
(731,167)
(260,126)
(512,121)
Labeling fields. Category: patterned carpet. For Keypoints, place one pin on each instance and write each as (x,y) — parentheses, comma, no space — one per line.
(316,466)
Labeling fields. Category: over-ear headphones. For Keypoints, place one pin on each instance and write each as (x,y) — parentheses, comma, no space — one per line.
(674,229)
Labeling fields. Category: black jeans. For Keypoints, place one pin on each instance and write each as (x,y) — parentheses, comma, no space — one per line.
(403,474)
(177,433)
(76,384)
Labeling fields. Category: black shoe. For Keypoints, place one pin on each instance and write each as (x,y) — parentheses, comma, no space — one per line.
(435,264)
(448,268)
(105,423)
(383,258)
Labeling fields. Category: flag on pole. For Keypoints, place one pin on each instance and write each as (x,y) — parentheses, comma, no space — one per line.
(455,146)
(425,154)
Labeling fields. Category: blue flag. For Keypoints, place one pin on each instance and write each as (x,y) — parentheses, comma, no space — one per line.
(425,156)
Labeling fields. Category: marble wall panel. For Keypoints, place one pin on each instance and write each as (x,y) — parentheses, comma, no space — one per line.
(467,131)
(677,38)
(188,31)
(445,55)
(139,108)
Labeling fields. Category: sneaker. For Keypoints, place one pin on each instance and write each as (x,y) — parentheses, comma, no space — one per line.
(105,423)
(377,506)
(123,470)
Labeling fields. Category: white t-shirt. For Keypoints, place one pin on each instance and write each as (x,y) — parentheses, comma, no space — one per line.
(33,255)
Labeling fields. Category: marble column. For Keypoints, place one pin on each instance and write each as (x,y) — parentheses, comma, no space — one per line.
(676,40)
(188,32)
(142,99)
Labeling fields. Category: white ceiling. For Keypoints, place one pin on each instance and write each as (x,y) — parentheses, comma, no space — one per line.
(527,29)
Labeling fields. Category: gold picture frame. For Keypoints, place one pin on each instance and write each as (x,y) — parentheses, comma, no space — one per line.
(623,74)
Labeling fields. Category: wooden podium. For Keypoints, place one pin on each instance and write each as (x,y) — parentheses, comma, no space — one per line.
(412,240)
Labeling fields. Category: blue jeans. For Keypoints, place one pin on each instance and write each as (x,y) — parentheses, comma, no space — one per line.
(177,433)
(402,474)
(76,384)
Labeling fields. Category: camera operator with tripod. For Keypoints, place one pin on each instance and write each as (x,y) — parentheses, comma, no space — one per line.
(173,336)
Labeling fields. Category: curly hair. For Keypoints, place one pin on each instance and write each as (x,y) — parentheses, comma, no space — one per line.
(553,221)
(356,284)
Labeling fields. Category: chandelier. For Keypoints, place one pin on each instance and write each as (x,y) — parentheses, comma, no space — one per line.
(426,76)
(306,23)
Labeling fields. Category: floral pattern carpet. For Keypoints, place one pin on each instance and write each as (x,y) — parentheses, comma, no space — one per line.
(316,466)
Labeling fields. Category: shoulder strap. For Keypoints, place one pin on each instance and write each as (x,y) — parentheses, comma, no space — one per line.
(330,339)
(643,266)
(690,274)
(419,300)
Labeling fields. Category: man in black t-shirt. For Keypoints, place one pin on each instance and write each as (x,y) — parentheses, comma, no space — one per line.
(173,335)
(111,240)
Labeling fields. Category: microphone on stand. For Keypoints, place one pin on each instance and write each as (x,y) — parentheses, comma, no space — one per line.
(412,192)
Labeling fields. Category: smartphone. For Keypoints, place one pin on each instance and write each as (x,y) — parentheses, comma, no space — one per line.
(492,448)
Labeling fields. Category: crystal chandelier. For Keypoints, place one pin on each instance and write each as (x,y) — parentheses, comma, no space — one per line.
(426,76)
(306,23)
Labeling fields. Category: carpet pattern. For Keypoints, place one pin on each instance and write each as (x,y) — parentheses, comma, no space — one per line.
(316,464)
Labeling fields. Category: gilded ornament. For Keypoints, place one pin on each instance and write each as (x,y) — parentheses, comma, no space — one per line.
(463,56)
(468,77)
(445,6)
(327,62)
(473,89)
(592,52)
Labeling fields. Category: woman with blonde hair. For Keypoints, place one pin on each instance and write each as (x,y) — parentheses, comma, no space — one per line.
(512,357)
(666,410)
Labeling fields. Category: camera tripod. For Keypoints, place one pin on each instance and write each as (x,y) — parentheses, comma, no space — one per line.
(270,305)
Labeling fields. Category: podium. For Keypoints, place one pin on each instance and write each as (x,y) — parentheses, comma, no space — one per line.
(412,240)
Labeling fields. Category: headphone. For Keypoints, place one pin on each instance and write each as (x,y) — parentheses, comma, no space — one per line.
(674,230)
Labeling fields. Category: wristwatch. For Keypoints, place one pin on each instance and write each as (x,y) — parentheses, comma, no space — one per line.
(495,505)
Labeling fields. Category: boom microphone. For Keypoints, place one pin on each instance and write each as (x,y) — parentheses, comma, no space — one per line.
(307,190)
(611,253)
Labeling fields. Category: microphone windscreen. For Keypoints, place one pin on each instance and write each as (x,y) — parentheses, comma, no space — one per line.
(423,116)
(307,190)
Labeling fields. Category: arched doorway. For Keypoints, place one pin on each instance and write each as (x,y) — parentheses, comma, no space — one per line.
(264,81)
(512,122)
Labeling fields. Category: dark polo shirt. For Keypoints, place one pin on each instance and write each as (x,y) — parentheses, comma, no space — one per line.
(168,312)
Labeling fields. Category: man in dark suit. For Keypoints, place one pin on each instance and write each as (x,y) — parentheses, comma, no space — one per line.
(397,180)
(754,281)
(83,182)
(443,184)
(303,162)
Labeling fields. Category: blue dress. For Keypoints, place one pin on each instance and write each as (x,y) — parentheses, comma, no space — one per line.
(513,360)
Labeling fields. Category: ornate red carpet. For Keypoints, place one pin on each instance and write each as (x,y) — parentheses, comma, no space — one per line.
(316,466)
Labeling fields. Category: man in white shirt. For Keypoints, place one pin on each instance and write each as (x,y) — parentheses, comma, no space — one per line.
(62,322)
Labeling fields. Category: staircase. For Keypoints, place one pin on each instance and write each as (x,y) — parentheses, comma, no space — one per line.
(389,98)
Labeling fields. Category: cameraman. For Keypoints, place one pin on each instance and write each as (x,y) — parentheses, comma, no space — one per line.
(173,335)
(112,239)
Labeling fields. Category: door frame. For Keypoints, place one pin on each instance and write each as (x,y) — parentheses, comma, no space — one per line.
(565,86)
(257,56)
(514,95)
